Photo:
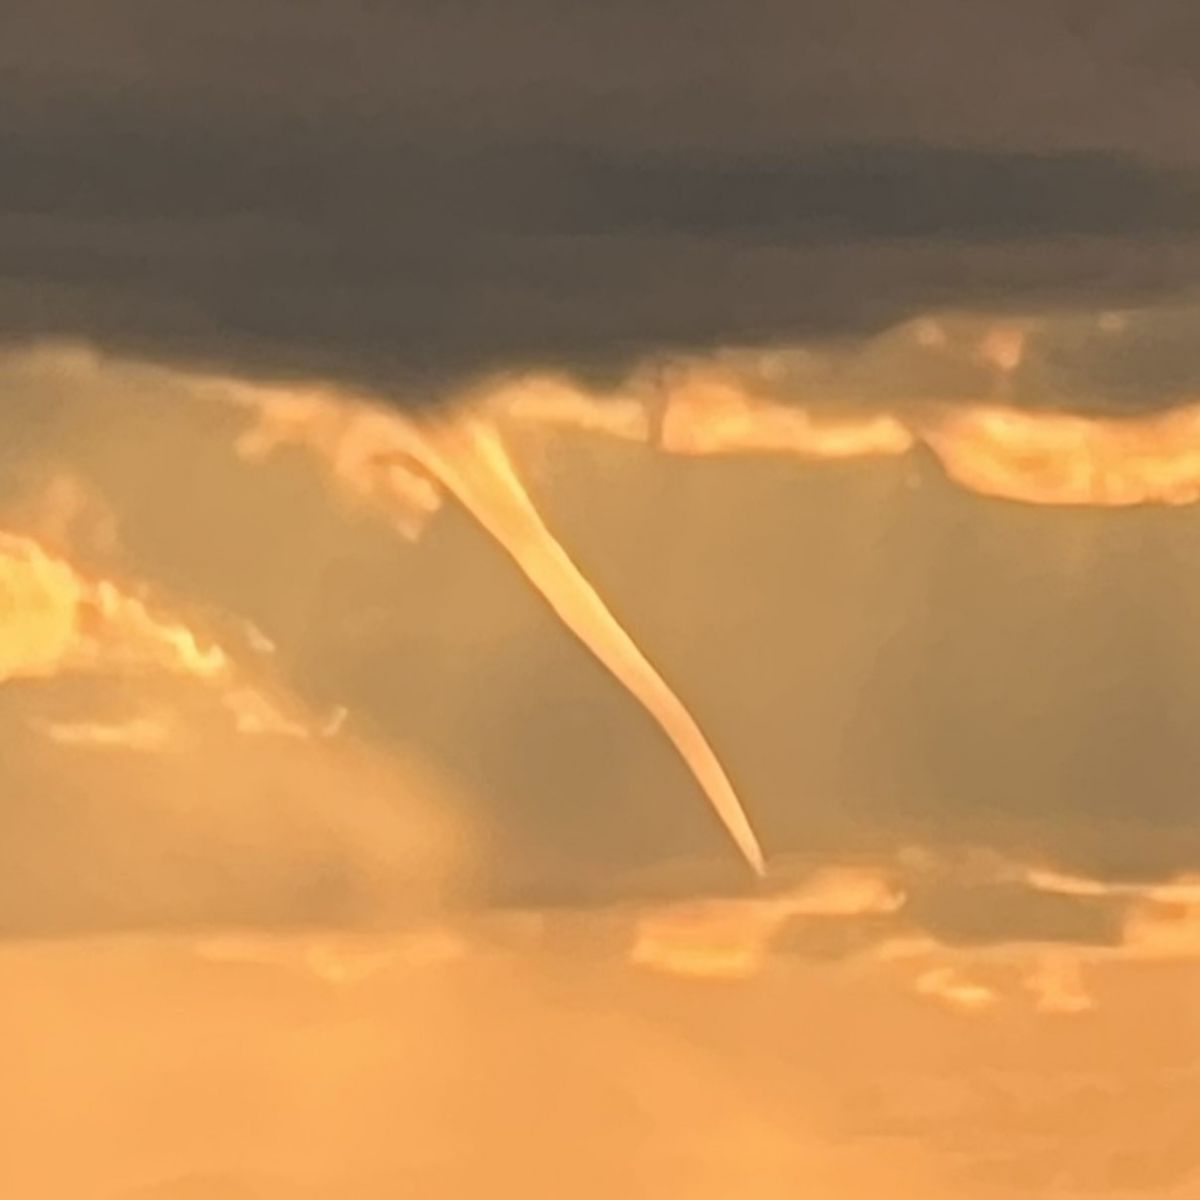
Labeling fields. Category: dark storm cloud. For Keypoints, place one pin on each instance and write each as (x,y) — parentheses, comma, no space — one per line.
(385,191)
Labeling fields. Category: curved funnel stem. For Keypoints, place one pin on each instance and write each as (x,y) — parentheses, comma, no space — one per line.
(469,458)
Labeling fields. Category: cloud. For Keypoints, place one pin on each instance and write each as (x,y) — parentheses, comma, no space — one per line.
(401,197)
(1057,982)
(862,685)
(255,1066)
(977,912)
(139,734)
(412,864)
(465,457)
(58,619)
(155,774)
(223,832)
(948,986)
(979,431)
(731,939)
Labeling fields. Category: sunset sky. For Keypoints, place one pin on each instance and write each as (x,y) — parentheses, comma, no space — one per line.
(599,600)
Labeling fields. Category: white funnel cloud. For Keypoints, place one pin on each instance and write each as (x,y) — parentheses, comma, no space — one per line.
(467,455)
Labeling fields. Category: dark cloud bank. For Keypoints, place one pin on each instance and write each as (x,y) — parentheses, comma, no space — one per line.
(397,192)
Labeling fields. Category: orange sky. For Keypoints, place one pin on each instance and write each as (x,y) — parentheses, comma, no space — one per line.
(332,866)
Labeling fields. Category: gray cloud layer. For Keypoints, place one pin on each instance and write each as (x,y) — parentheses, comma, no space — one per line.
(391,192)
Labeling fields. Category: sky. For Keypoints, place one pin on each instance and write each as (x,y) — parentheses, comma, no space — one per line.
(599,594)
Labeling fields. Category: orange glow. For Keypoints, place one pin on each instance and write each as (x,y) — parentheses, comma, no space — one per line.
(554,400)
(1046,458)
(54,618)
(709,414)
(40,601)
(699,412)
(1054,458)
